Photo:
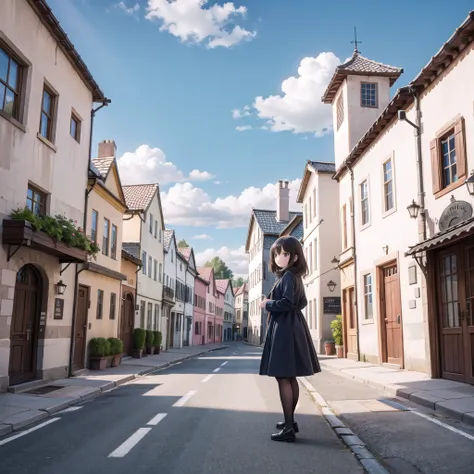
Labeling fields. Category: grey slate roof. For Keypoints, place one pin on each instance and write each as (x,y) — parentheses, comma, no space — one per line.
(268,223)
(323,166)
(132,248)
(297,232)
(268,241)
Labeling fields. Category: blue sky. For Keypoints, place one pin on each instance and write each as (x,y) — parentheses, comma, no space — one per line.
(175,76)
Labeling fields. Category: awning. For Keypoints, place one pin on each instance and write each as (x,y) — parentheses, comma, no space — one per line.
(447,236)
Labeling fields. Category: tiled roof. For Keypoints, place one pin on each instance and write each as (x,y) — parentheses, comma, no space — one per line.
(103,165)
(268,241)
(323,167)
(268,223)
(359,65)
(94,172)
(205,273)
(128,256)
(298,231)
(139,196)
(241,289)
(222,285)
(185,252)
(167,236)
(131,248)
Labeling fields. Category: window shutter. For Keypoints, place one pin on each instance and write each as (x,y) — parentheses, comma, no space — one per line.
(460,144)
(435,166)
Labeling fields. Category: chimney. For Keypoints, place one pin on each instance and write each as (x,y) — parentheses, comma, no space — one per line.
(107,149)
(283,202)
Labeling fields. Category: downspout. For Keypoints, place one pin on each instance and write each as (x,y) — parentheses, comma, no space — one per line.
(84,226)
(354,256)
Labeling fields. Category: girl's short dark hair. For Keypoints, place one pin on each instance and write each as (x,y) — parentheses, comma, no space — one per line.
(293,247)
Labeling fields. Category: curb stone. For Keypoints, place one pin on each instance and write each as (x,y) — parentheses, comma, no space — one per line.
(40,415)
(370,464)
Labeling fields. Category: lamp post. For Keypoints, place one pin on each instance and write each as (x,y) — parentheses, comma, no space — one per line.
(413,209)
(332,285)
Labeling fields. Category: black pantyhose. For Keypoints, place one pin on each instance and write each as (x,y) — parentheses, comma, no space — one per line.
(289,394)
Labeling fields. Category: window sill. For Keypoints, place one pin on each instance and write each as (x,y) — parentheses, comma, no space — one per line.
(389,213)
(450,188)
(366,322)
(365,226)
(13,121)
(46,142)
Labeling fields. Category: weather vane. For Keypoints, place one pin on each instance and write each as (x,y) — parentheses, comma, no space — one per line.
(356,42)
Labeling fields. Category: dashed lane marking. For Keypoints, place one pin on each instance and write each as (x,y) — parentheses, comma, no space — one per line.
(70,409)
(224,363)
(217,370)
(184,399)
(156,419)
(208,378)
(130,443)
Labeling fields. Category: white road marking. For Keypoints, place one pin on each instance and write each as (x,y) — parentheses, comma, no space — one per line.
(444,425)
(156,419)
(130,443)
(184,399)
(23,433)
(224,363)
(217,370)
(70,409)
(208,378)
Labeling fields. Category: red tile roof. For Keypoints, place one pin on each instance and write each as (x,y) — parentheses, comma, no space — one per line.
(103,165)
(139,196)
(205,273)
(222,285)
(185,252)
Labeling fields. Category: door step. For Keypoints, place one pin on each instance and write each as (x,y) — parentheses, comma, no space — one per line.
(25,387)
(391,366)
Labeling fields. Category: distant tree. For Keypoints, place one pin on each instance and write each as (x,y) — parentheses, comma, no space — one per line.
(237,282)
(221,270)
(182,244)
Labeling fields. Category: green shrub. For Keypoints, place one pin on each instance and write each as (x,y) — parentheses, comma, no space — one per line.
(149,338)
(336,327)
(99,347)
(139,336)
(116,345)
(157,338)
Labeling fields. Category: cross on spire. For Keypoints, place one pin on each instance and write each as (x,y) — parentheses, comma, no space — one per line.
(356,42)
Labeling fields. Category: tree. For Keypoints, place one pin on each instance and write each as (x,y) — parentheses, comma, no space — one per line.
(221,270)
(182,244)
(237,282)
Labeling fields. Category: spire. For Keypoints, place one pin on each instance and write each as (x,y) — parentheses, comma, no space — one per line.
(356,42)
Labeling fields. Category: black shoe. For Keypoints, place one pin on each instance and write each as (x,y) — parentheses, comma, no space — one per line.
(281,426)
(285,435)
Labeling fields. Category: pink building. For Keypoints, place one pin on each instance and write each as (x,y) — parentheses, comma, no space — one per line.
(207,274)
(199,315)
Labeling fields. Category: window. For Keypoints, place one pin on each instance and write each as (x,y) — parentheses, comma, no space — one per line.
(150,266)
(95,219)
(368,296)
(113,300)
(160,278)
(388,185)
(159,235)
(10,83)
(100,303)
(310,257)
(142,314)
(144,263)
(364,202)
(344,227)
(113,250)
(75,128)
(306,215)
(315,252)
(106,237)
(448,158)
(35,200)
(149,316)
(47,114)
(310,314)
(157,316)
(368,94)
(315,313)
(310,210)
(156,229)
(151,224)
(314,202)
(172,256)
(155,270)
(340,111)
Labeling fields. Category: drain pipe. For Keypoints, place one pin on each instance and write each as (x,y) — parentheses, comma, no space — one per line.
(354,255)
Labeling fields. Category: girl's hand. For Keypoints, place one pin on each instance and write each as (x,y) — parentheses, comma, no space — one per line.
(263,303)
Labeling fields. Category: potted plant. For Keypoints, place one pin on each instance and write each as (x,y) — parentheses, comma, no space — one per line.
(99,349)
(329,347)
(139,336)
(150,339)
(116,349)
(157,341)
(336,327)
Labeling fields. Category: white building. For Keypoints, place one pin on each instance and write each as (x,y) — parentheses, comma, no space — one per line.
(225,287)
(169,290)
(319,194)
(181,271)
(143,229)
(45,127)
(241,311)
(191,272)
(401,320)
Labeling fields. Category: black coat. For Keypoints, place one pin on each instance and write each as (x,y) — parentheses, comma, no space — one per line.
(288,349)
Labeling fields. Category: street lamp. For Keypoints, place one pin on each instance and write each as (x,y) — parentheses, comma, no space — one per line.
(413,209)
(335,263)
(60,287)
(332,285)
(470,183)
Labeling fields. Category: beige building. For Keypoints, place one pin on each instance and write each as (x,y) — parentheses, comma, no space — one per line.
(46,98)
(412,275)
(100,280)
(241,311)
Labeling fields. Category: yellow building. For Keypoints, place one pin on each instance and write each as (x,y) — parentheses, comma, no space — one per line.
(100,280)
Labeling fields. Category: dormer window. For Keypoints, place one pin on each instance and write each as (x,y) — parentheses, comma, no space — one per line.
(368,94)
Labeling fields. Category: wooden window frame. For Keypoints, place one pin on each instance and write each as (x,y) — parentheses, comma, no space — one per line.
(94,236)
(113,242)
(376,106)
(113,305)
(75,118)
(18,91)
(106,238)
(52,114)
(100,304)
(458,128)
(37,192)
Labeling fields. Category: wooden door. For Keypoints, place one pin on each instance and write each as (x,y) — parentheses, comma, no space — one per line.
(171,329)
(392,306)
(350,323)
(80,328)
(24,326)
(467,315)
(126,328)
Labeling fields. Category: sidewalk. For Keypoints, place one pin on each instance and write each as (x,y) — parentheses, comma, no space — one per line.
(453,399)
(18,410)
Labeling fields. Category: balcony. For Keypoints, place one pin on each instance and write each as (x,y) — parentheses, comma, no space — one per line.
(168,294)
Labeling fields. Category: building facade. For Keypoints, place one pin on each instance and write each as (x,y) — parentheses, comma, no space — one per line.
(241,312)
(45,128)
(319,195)
(207,274)
(191,272)
(225,288)
(180,323)
(169,290)
(200,311)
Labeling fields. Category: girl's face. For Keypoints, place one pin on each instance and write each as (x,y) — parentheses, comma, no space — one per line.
(282,259)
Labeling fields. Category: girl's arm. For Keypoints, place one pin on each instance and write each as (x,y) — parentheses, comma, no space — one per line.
(303,302)
(288,296)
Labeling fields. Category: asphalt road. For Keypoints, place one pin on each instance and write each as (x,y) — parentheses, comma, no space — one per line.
(211,415)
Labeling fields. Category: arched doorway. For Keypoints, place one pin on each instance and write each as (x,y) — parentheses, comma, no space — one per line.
(25,325)
(128,315)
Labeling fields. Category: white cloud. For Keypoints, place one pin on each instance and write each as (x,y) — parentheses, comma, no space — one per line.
(128,10)
(190,21)
(202,237)
(185,204)
(299,108)
(236,259)
(149,165)
(237,114)
(243,128)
